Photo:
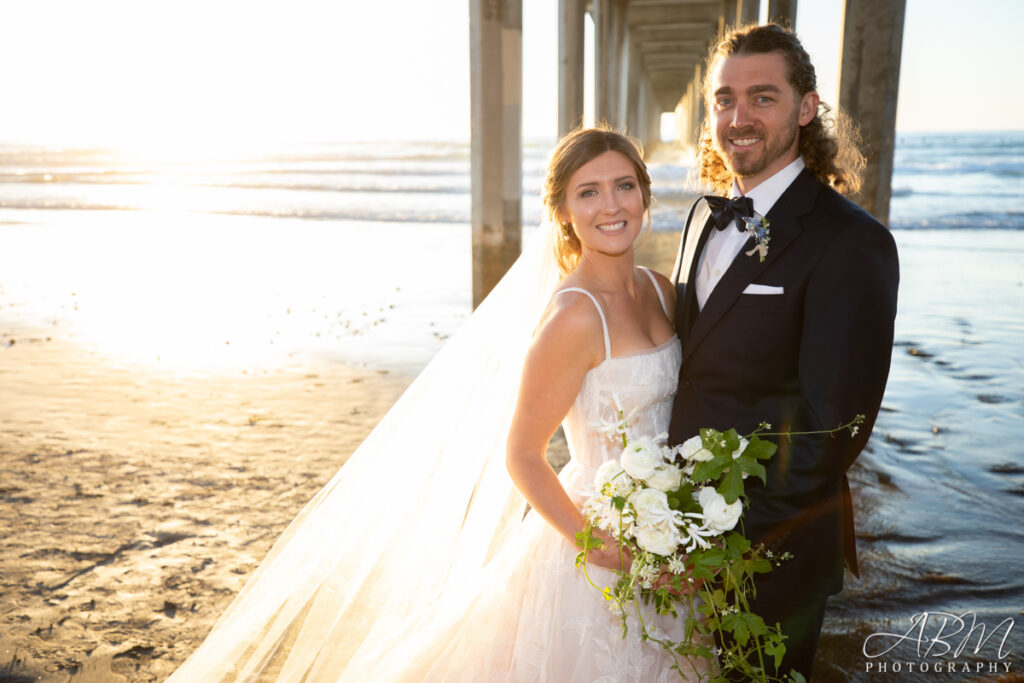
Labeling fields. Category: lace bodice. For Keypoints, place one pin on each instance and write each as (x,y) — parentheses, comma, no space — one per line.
(642,384)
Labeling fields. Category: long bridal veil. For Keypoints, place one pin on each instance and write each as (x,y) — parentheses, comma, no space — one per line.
(420,507)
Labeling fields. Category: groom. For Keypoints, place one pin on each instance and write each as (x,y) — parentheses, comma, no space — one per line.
(795,330)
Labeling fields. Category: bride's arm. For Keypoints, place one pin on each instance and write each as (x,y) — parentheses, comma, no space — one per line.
(568,343)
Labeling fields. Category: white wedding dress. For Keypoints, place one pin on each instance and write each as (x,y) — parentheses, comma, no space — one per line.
(350,594)
(531,615)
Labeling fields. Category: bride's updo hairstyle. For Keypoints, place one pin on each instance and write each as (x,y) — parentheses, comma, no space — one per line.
(573,151)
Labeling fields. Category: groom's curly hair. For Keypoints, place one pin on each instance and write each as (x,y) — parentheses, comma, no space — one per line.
(829,144)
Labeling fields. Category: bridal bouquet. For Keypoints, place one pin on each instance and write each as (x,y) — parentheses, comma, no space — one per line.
(675,512)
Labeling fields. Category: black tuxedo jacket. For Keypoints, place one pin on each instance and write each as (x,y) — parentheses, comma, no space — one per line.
(809,358)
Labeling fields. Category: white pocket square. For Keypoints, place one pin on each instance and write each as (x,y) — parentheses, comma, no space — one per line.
(762,289)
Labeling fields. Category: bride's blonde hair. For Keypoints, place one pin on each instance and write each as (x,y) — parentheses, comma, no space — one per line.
(573,151)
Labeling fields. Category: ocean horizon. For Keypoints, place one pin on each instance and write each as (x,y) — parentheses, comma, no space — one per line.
(964,180)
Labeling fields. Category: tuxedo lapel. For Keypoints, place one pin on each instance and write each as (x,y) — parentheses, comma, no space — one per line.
(784,227)
(696,238)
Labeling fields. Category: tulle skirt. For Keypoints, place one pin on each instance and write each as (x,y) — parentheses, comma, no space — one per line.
(530,615)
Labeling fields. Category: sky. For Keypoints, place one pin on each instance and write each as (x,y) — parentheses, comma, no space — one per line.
(189,73)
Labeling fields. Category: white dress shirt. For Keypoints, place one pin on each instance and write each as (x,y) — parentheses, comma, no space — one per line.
(723,245)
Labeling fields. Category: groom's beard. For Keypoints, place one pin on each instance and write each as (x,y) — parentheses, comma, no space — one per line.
(744,165)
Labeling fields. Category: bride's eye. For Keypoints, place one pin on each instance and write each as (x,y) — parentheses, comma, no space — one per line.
(627,186)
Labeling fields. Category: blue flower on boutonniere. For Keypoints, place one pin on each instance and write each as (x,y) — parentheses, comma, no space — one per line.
(757,227)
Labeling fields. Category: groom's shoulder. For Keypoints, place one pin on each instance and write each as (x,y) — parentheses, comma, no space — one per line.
(843,217)
(845,230)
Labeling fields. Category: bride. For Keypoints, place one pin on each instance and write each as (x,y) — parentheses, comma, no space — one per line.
(415,562)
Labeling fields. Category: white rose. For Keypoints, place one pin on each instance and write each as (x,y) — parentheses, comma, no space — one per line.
(661,539)
(693,449)
(665,478)
(611,472)
(739,451)
(651,506)
(719,516)
(640,457)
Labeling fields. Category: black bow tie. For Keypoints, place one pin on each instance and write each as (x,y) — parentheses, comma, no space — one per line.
(726,211)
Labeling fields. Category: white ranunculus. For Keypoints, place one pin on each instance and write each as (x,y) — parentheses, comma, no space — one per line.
(666,478)
(693,449)
(718,516)
(661,539)
(739,451)
(640,457)
(611,472)
(651,507)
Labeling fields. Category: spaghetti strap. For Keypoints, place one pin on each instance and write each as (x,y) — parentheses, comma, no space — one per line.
(604,323)
(657,288)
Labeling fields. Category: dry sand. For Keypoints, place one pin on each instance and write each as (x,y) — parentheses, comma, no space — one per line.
(134,504)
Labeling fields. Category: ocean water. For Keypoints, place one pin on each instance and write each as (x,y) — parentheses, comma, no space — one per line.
(958,181)
(940,181)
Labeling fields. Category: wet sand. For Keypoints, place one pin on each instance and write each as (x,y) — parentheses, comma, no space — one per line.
(135,497)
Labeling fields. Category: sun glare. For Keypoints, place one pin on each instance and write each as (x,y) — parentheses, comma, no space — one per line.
(176,79)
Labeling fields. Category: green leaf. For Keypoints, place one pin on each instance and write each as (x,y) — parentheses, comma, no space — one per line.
(756,450)
(777,652)
(682,498)
(754,469)
(732,441)
(712,557)
(760,449)
(755,624)
(586,540)
(703,573)
(737,542)
(731,487)
(735,624)
(711,469)
(619,502)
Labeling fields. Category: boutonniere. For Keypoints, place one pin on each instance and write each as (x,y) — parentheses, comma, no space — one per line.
(757,227)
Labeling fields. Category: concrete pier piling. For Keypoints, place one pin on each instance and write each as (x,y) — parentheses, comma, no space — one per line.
(571,16)
(782,12)
(496,46)
(868,84)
